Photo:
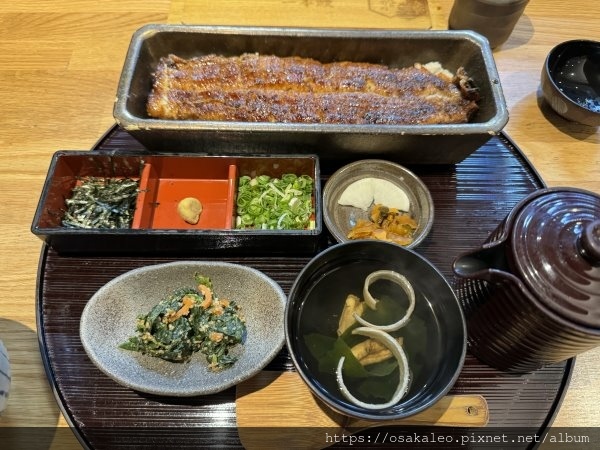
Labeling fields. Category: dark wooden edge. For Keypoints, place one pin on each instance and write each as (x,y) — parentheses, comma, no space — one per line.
(566,380)
(503,136)
(39,319)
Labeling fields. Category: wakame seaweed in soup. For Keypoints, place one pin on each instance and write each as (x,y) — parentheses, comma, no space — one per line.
(187,321)
(373,383)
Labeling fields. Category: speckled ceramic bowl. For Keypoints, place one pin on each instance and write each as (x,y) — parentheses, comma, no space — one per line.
(340,219)
(109,319)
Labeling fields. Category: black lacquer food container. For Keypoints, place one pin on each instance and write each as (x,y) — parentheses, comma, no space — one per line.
(164,179)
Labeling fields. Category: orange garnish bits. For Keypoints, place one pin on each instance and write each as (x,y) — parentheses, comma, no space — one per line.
(207,293)
(188,302)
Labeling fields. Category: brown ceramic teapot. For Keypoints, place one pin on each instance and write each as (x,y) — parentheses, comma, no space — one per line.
(531,292)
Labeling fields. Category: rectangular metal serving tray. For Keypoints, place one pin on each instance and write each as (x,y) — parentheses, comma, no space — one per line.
(194,173)
(408,144)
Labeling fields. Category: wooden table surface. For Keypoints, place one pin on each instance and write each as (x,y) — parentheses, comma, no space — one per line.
(60,62)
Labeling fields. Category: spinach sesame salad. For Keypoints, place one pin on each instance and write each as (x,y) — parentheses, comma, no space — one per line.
(191,320)
(270,203)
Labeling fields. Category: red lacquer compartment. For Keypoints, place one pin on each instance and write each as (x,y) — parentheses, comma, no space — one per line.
(277,167)
(167,181)
(68,170)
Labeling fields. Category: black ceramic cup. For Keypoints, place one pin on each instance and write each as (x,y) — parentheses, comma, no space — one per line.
(494,19)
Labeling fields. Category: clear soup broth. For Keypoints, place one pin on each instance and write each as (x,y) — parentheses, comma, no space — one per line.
(317,333)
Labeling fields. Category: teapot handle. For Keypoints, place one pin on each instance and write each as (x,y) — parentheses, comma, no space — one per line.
(589,242)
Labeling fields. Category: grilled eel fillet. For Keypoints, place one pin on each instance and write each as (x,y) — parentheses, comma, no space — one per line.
(260,88)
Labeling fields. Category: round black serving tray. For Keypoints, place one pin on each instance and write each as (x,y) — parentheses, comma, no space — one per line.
(470,199)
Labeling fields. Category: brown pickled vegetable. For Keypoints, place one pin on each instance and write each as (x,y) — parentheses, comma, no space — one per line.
(385,224)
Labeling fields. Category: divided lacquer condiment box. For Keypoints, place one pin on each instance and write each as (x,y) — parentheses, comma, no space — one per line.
(163,180)
(404,144)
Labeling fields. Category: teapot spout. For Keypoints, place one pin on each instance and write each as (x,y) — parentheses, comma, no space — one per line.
(486,263)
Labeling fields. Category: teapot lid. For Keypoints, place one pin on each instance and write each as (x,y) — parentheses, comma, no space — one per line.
(556,250)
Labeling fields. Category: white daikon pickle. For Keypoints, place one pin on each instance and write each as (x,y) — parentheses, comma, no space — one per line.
(364,192)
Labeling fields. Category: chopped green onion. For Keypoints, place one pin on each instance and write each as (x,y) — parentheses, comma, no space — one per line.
(285,203)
